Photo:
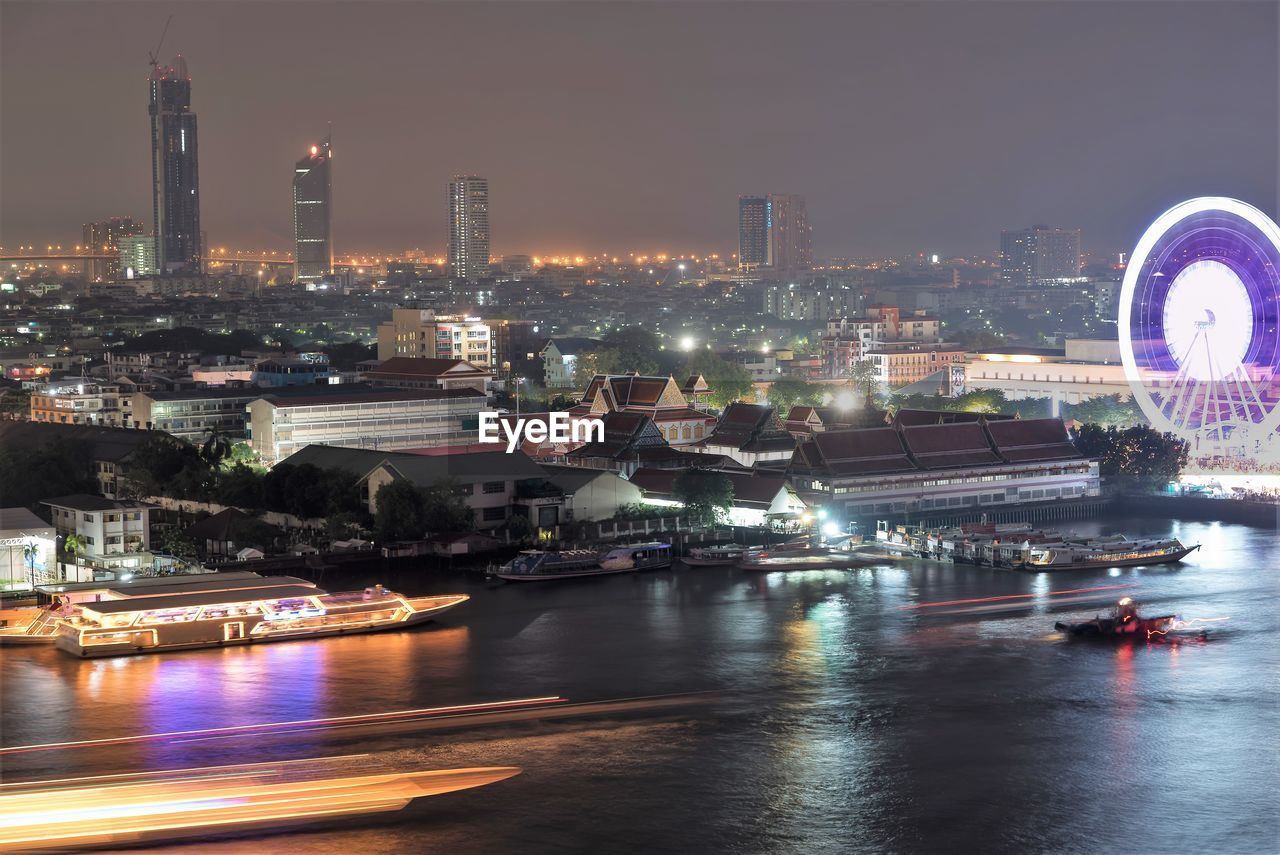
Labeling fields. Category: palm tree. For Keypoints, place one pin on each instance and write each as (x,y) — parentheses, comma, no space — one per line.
(72,545)
(215,448)
(30,550)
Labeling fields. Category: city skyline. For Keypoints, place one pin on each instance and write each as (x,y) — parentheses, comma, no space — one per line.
(875,182)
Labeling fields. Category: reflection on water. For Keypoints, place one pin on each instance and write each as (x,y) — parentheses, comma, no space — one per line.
(848,722)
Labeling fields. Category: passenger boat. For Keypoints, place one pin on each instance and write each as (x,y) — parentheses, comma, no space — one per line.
(1104,553)
(538,566)
(715,556)
(240,615)
(39,624)
(151,807)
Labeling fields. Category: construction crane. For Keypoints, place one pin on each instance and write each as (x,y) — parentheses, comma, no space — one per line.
(155,54)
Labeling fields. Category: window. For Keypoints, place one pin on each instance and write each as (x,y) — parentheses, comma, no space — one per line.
(88,518)
(494,487)
(494,514)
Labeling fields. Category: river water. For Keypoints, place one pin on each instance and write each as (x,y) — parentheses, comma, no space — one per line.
(843,718)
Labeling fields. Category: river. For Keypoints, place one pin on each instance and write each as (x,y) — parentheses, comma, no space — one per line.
(843,718)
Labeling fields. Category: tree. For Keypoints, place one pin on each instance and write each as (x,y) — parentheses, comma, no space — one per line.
(168,466)
(788,392)
(30,550)
(1106,410)
(216,447)
(862,376)
(61,468)
(707,496)
(1138,456)
(637,346)
(445,512)
(345,356)
(729,381)
(399,512)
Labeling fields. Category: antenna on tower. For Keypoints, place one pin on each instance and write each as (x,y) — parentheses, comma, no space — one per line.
(155,54)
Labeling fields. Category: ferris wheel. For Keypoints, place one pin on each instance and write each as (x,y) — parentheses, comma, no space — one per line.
(1198,325)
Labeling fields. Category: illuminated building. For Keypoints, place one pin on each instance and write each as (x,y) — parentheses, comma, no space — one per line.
(114,534)
(849,339)
(175,174)
(104,238)
(137,256)
(956,468)
(897,364)
(1083,370)
(755,232)
(424,334)
(469,226)
(1039,254)
(791,237)
(20,569)
(817,301)
(77,402)
(382,419)
(313,215)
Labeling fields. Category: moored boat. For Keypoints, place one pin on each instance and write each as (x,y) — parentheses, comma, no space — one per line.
(1102,553)
(538,566)
(813,559)
(237,616)
(715,556)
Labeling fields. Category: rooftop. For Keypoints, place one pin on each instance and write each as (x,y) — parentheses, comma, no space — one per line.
(86,502)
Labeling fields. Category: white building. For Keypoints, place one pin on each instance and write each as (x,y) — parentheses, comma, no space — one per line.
(424,334)
(1084,369)
(77,402)
(114,535)
(21,568)
(384,420)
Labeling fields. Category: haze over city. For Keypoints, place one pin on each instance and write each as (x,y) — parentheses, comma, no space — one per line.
(634,127)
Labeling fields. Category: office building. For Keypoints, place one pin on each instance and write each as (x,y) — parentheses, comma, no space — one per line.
(313,215)
(1039,255)
(423,333)
(791,236)
(816,301)
(850,339)
(137,256)
(382,419)
(755,232)
(175,174)
(103,238)
(469,227)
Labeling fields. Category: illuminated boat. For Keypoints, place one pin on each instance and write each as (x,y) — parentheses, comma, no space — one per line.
(237,616)
(538,566)
(1102,553)
(39,624)
(114,810)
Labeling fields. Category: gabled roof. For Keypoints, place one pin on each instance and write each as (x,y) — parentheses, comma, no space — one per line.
(1032,440)
(359,461)
(424,470)
(410,366)
(858,451)
(749,427)
(573,345)
(950,446)
(227,524)
(20,519)
(573,478)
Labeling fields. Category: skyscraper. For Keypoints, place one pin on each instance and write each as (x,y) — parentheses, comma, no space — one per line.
(1039,254)
(791,235)
(175,176)
(103,238)
(469,226)
(755,232)
(313,215)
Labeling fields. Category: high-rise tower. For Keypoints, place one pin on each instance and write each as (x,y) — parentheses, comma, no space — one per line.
(792,238)
(469,226)
(175,175)
(313,215)
(755,232)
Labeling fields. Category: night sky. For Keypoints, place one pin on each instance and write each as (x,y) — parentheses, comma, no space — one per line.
(617,127)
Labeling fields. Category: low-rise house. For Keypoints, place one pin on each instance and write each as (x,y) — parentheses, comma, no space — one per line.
(560,360)
(114,535)
(589,494)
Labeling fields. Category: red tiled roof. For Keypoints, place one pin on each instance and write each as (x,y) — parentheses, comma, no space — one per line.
(1031,440)
(949,446)
(409,366)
